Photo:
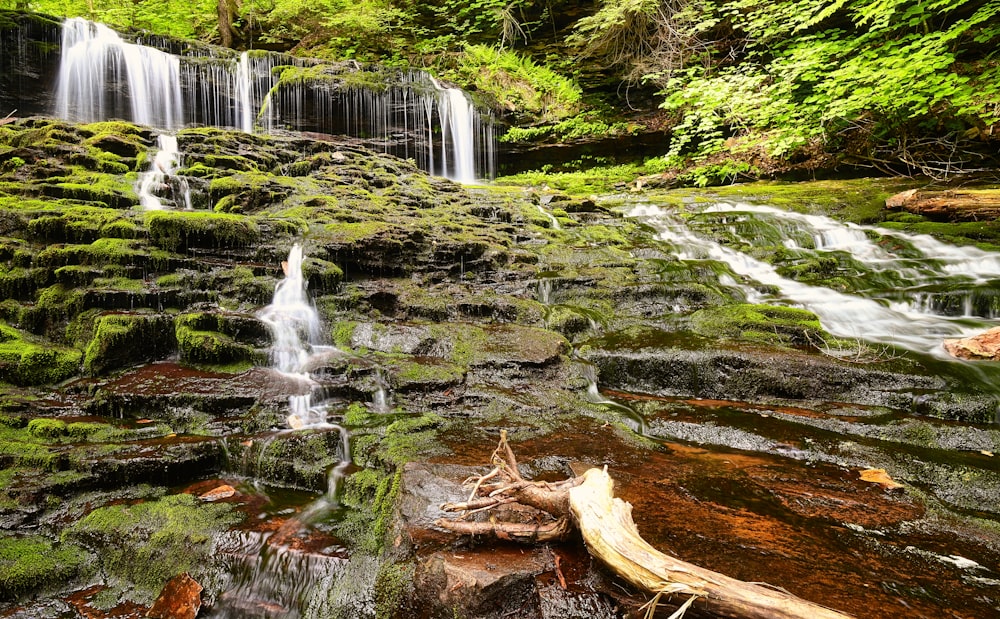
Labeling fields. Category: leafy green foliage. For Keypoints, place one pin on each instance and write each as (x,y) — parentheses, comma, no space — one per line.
(793,72)
(516,82)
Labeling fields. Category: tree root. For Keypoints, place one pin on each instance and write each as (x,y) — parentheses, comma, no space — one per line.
(587,503)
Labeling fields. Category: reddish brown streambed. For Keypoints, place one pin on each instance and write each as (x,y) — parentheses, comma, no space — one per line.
(813,529)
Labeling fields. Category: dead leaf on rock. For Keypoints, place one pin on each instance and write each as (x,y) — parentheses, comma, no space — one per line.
(880,477)
(217,494)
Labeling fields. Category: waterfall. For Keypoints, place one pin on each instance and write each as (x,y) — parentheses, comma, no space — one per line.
(405,113)
(895,320)
(102,77)
(161,177)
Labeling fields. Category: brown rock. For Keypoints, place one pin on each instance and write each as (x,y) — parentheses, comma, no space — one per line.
(180,599)
(982,347)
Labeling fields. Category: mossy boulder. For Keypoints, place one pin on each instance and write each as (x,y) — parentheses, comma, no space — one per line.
(201,339)
(298,460)
(178,231)
(144,545)
(760,323)
(33,563)
(24,361)
(121,340)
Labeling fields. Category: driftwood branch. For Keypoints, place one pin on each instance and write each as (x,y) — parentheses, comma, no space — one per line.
(587,503)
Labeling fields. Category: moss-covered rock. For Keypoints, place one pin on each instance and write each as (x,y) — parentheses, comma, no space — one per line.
(121,340)
(201,340)
(142,546)
(759,323)
(33,563)
(178,231)
(24,361)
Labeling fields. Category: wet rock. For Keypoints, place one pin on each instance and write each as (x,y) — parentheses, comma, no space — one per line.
(299,459)
(982,347)
(121,340)
(750,374)
(180,599)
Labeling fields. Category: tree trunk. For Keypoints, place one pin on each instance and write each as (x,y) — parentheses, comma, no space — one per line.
(227,12)
(611,535)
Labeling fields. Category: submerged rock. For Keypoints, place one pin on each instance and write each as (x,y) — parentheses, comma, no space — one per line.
(180,599)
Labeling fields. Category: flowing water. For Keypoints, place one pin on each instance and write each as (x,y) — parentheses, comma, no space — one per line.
(411,115)
(276,571)
(161,179)
(897,282)
(101,77)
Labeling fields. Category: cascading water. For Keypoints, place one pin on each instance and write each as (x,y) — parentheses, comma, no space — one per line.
(891,316)
(102,77)
(269,573)
(161,178)
(410,115)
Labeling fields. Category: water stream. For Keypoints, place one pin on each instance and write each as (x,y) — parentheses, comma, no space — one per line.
(275,573)
(161,179)
(891,310)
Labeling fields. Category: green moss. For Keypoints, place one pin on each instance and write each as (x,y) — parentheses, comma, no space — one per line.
(412,373)
(47,428)
(763,323)
(25,362)
(30,455)
(148,543)
(351,233)
(30,564)
(199,341)
(174,230)
(382,451)
(123,339)
(342,332)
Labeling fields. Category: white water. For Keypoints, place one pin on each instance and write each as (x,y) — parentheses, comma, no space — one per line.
(843,315)
(101,77)
(161,177)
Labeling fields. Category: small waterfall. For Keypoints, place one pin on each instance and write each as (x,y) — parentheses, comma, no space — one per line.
(292,318)
(381,402)
(457,116)
(101,77)
(628,414)
(552,219)
(545,291)
(161,179)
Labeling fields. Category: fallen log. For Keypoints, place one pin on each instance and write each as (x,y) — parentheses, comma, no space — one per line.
(949,205)
(587,503)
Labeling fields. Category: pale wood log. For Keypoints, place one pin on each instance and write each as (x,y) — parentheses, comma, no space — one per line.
(611,535)
(950,205)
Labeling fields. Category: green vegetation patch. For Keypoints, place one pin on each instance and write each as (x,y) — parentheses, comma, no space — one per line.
(515,82)
(120,340)
(760,323)
(143,545)
(24,361)
(29,564)
(200,340)
(175,230)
